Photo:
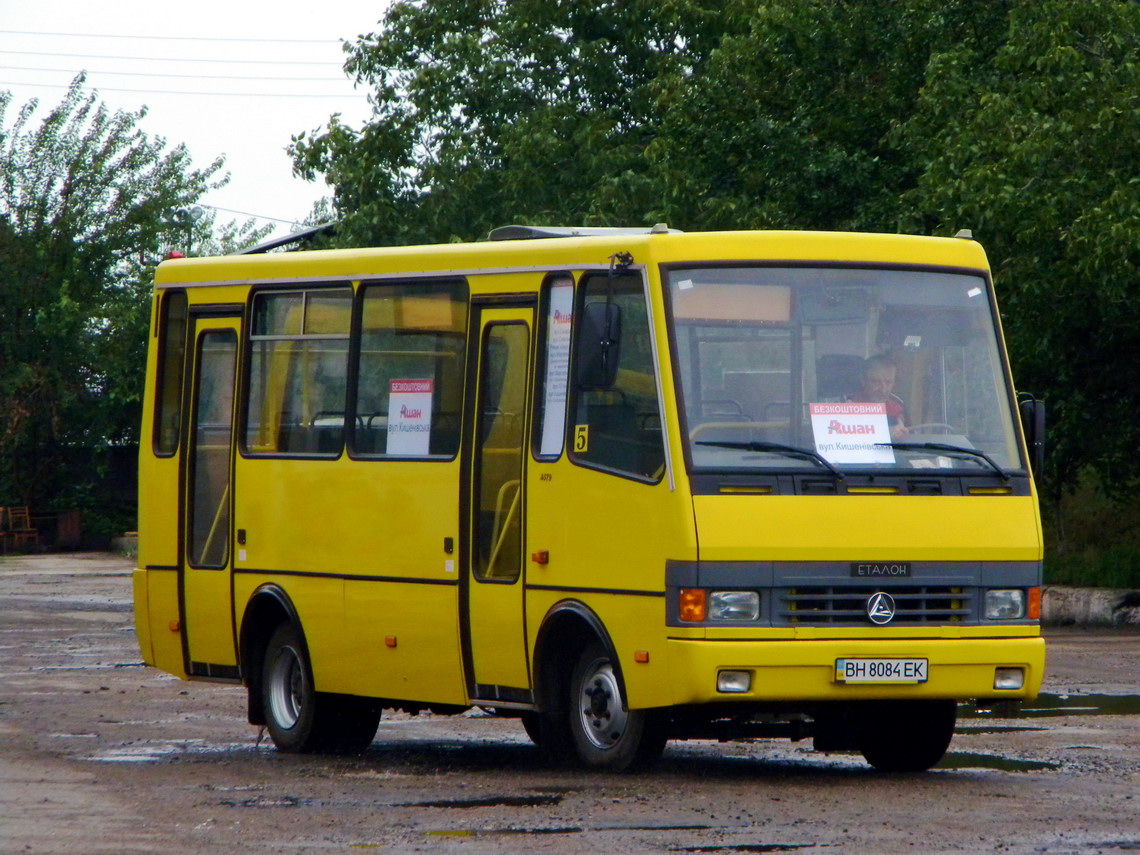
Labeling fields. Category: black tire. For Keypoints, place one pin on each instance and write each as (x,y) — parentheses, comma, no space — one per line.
(550,732)
(906,736)
(532,724)
(606,734)
(301,720)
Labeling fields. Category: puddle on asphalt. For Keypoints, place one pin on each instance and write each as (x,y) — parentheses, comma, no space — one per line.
(995,728)
(141,754)
(267,802)
(1049,705)
(489,801)
(114,666)
(484,832)
(154,752)
(970,760)
(750,847)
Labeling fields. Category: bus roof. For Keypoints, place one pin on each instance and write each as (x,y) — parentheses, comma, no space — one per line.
(573,253)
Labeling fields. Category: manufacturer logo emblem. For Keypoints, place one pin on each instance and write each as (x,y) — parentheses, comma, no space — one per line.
(881,608)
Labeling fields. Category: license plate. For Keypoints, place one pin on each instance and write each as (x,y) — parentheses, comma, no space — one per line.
(880,670)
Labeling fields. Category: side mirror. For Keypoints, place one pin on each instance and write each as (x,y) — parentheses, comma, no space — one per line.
(1033,424)
(599,345)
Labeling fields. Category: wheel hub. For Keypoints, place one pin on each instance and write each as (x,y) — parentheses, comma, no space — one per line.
(603,719)
(286,688)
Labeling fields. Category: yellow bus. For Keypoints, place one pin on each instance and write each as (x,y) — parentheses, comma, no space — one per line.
(626,485)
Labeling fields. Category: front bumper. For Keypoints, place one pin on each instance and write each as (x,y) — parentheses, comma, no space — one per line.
(804,670)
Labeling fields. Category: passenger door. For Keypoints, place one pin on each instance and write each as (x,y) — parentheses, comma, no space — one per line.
(495,505)
(206,561)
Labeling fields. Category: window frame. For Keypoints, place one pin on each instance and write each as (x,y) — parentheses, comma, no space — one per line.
(1017,472)
(162,369)
(542,357)
(575,392)
(247,356)
(355,351)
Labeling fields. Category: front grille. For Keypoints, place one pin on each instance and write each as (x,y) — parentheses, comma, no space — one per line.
(847,606)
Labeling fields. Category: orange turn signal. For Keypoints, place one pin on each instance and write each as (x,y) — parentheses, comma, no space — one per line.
(1034,605)
(693,604)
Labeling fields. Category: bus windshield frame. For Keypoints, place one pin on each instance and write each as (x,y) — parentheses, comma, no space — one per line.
(840,369)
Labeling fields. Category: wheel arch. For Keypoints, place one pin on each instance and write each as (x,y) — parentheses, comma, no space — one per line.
(269,606)
(566,629)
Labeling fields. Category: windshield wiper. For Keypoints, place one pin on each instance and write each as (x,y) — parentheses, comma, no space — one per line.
(788,450)
(948,449)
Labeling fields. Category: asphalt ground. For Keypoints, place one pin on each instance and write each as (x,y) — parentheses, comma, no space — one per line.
(101,755)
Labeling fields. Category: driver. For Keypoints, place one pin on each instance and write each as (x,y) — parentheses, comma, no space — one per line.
(876,385)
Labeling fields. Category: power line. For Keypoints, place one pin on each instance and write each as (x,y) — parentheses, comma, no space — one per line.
(247,214)
(181,76)
(181,92)
(173,58)
(170,38)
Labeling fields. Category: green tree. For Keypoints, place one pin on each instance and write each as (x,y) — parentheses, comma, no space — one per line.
(499,111)
(87,203)
(1035,146)
(787,125)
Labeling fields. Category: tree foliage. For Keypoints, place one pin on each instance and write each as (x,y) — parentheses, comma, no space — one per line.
(87,204)
(1015,118)
(1035,145)
(495,111)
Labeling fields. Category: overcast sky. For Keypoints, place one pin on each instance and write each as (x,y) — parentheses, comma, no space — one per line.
(233,78)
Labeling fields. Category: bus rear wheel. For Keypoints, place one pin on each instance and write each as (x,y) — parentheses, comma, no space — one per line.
(906,736)
(605,733)
(302,720)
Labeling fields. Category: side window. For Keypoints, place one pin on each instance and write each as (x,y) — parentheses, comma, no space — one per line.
(617,421)
(550,424)
(211,433)
(298,367)
(171,359)
(409,378)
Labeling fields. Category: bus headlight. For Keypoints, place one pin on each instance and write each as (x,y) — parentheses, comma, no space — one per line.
(734,682)
(734,605)
(1005,604)
(1009,678)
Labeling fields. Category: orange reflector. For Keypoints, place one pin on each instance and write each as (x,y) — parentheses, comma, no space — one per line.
(1035,604)
(641,656)
(175,626)
(540,557)
(692,605)
(390,640)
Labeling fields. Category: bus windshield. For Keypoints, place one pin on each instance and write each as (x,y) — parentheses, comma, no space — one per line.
(840,369)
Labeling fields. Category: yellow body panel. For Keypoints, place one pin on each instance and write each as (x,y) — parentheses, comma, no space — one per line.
(165,623)
(868,528)
(404,644)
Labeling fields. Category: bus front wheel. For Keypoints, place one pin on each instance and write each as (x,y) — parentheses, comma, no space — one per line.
(906,736)
(301,719)
(606,734)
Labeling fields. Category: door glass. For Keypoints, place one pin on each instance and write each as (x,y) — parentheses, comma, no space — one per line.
(209,500)
(497,552)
